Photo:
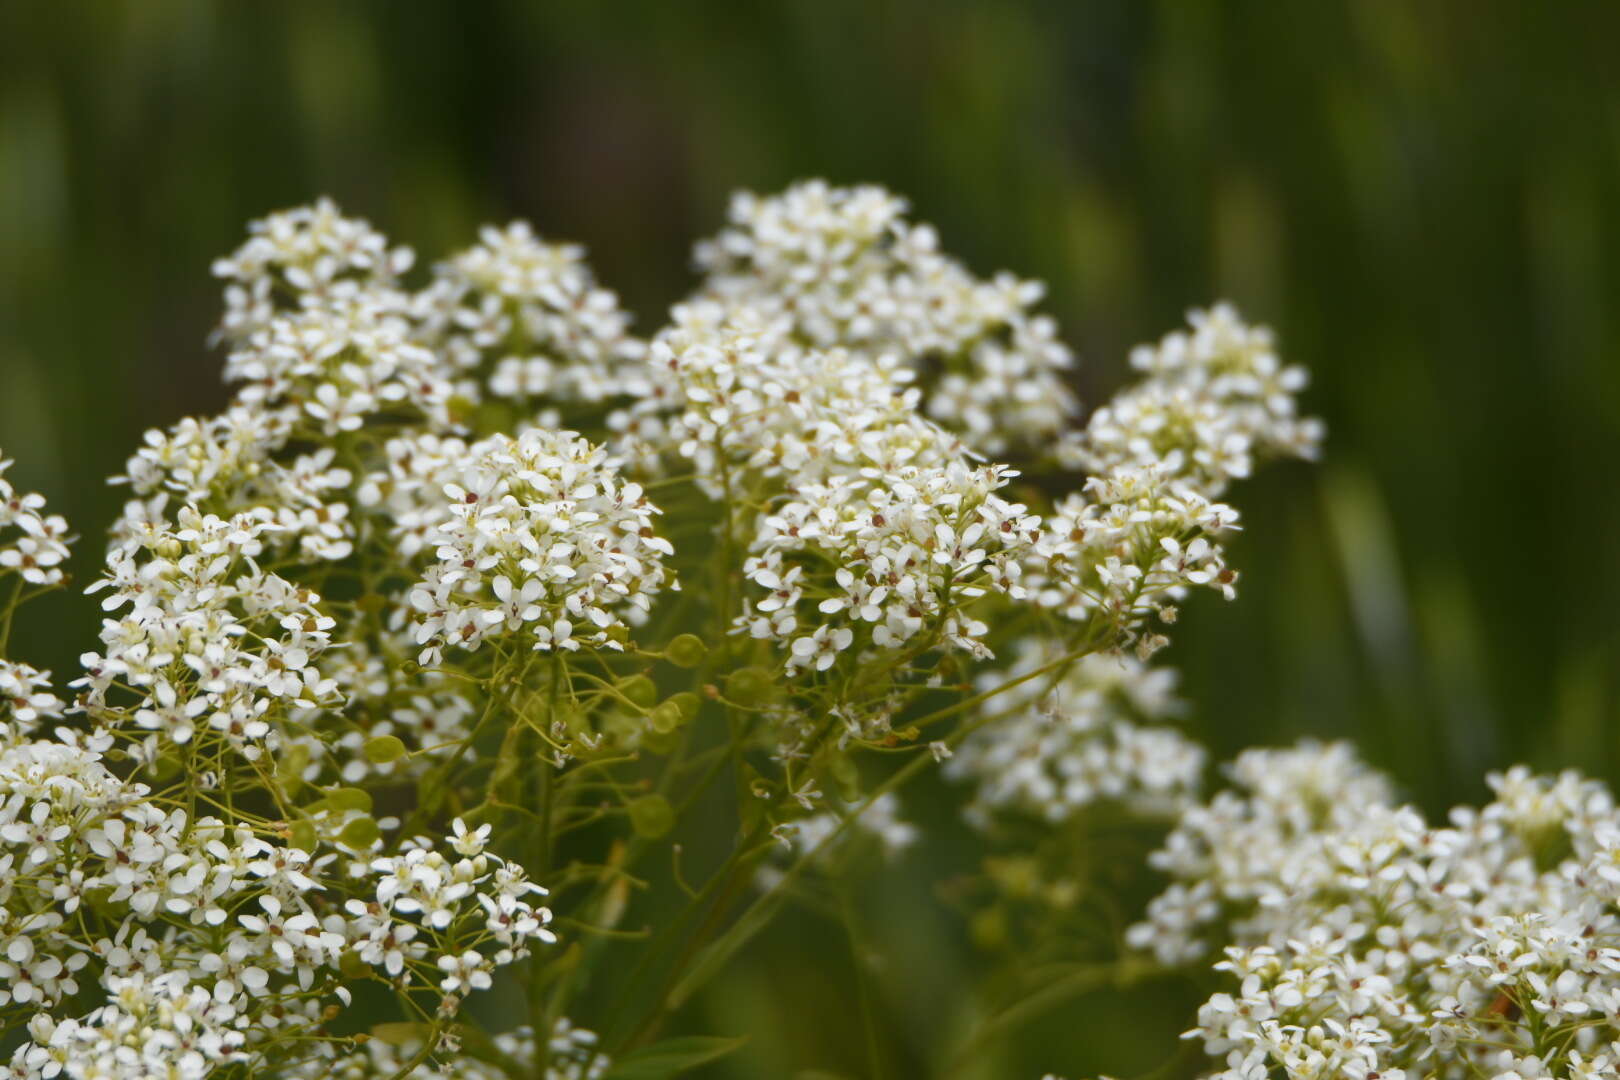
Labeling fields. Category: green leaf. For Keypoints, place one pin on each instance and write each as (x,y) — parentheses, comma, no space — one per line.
(717,953)
(672,1057)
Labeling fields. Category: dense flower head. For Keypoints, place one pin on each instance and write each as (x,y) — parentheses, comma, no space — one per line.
(844,268)
(524,320)
(341,364)
(542,538)
(234,463)
(1211,400)
(73,830)
(891,563)
(203,639)
(748,401)
(1127,548)
(1364,940)
(33,544)
(311,252)
(158,1025)
(1093,735)
(230,942)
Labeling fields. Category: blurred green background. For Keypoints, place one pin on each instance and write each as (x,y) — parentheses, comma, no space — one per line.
(1423,199)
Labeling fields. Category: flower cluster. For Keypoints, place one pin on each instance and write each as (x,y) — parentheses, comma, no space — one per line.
(152,1025)
(1091,736)
(1126,548)
(33,544)
(360,624)
(908,555)
(230,942)
(878,526)
(525,321)
(1366,941)
(753,404)
(473,910)
(541,535)
(26,698)
(185,971)
(229,464)
(320,329)
(842,267)
(1210,401)
(311,252)
(208,641)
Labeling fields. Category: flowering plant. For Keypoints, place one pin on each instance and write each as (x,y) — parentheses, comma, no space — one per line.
(471,602)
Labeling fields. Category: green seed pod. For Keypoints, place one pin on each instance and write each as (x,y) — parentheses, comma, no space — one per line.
(666,717)
(303,835)
(651,816)
(639,690)
(688,703)
(360,833)
(750,686)
(686,651)
(349,798)
(383,749)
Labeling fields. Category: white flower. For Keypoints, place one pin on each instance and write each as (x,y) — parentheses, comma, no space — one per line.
(469,843)
(820,648)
